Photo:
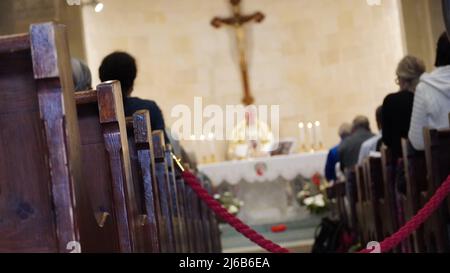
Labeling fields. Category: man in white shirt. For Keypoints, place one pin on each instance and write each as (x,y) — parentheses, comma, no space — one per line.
(371,145)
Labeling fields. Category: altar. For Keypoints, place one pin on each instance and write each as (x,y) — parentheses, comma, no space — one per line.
(267,186)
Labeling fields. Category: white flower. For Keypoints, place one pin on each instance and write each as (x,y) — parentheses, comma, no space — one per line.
(319,200)
(309,201)
(233,209)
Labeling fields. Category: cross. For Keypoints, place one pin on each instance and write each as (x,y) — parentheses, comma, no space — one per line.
(237,21)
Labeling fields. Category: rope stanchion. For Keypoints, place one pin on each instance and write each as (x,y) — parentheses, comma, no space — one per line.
(242,228)
(413,224)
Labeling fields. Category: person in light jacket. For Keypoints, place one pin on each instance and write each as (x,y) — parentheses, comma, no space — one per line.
(432,99)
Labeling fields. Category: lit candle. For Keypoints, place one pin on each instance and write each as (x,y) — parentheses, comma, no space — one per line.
(212,150)
(318,134)
(301,127)
(310,135)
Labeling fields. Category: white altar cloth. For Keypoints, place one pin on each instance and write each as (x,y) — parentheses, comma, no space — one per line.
(267,186)
(267,169)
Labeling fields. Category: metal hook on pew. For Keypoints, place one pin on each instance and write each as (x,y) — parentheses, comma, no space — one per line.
(101,218)
(143,219)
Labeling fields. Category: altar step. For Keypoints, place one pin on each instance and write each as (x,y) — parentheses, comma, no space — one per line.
(303,246)
(298,237)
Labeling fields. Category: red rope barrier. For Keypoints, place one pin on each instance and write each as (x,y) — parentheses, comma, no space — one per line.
(389,243)
(413,224)
(242,228)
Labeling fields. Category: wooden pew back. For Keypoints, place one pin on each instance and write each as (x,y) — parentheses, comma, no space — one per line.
(416,191)
(351,194)
(110,209)
(375,189)
(361,205)
(39,158)
(179,230)
(388,170)
(437,153)
(166,226)
(143,163)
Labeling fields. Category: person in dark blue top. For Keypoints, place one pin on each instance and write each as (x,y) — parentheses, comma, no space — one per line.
(121,66)
(333,155)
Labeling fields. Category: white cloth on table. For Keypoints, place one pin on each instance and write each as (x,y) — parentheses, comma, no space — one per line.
(287,167)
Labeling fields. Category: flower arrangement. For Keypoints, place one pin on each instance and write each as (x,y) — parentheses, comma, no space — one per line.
(232,204)
(313,195)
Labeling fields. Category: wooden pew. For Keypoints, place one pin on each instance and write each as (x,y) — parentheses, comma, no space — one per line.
(389,199)
(191,221)
(341,204)
(336,195)
(362,205)
(108,191)
(143,167)
(331,192)
(216,244)
(351,195)
(377,209)
(189,236)
(437,154)
(197,217)
(206,222)
(179,229)
(165,198)
(416,191)
(39,143)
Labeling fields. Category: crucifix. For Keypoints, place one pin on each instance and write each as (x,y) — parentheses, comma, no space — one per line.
(237,21)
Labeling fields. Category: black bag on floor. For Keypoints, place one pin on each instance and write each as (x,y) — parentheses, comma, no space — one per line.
(332,237)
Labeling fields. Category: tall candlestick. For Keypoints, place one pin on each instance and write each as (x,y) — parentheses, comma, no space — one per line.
(318,135)
(310,135)
(301,143)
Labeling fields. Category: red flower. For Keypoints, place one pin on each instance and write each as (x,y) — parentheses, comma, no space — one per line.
(317,179)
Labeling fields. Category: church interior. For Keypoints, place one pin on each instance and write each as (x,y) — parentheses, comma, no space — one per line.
(167,126)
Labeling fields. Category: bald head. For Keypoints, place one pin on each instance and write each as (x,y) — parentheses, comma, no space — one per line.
(361,122)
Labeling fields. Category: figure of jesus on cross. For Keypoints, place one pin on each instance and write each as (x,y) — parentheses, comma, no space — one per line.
(237,21)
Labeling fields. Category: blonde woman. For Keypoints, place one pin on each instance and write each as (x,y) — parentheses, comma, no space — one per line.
(397,107)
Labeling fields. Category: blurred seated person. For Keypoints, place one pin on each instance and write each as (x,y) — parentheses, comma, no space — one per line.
(81,75)
(432,97)
(333,155)
(397,107)
(122,66)
(372,144)
(350,147)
